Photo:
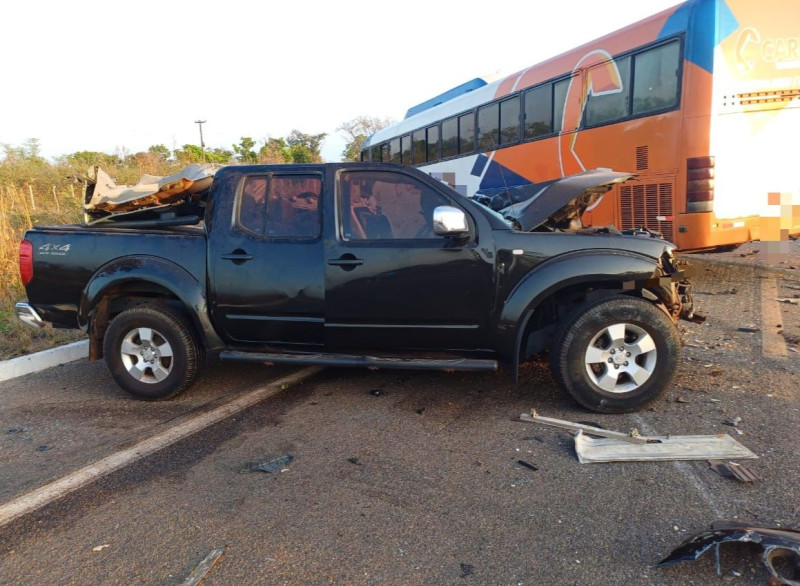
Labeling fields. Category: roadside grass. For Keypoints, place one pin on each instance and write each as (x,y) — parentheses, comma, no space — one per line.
(21,209)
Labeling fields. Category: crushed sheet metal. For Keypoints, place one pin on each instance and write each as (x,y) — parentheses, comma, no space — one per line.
(149,191)
(615,446)
(733,470)
(677,447)
(781,547)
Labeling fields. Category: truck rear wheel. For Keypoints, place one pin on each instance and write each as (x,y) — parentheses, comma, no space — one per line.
(151,352)
(616,355)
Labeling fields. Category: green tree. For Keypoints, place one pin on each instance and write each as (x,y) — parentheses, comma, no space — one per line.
(305,148)
(82,160)
(160,151)
(357,131)
(244,150)
(189,154)
(274,151)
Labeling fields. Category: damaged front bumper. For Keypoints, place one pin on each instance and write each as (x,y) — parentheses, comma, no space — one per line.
(673,288)
(781,548)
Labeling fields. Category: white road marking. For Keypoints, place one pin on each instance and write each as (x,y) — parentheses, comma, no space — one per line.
(773,344)
(49,493)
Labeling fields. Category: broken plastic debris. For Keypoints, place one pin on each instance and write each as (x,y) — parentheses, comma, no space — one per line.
(733,421)
(101,547)
(527,465)
(781,548)
(270,465)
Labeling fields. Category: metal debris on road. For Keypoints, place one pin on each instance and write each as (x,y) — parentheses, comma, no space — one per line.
(781,548)
(787,300)
(275,465)
(733,421)
(749,329)
(203,568)
(527,465)
(733,470)
(614,446)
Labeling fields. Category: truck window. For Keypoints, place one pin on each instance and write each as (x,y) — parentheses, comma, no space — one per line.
(281,206)
(377,205)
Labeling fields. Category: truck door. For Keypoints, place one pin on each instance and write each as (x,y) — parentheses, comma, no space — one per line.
(390,282)
(267,279)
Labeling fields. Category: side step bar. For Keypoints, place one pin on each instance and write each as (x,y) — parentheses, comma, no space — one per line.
(324,359)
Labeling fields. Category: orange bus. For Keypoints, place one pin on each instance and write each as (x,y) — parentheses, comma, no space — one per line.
(701,101)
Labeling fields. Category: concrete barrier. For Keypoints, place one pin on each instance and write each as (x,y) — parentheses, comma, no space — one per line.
(42,360)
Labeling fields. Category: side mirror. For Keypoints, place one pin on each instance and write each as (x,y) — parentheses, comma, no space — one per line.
(449,221)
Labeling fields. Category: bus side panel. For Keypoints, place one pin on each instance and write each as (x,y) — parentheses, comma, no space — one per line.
(756,114)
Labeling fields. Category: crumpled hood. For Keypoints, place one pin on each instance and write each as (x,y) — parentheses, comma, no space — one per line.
(557,204)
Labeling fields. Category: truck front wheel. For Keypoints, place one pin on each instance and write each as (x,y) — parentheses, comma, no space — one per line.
(151,352)
(616,355)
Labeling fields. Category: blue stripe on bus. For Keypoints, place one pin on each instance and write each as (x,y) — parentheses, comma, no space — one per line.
(496,175)
(711,22)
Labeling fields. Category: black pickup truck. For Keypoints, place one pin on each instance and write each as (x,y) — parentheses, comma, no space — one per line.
(373,265)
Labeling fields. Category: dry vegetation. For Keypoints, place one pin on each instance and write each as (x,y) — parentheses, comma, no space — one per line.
(33,192)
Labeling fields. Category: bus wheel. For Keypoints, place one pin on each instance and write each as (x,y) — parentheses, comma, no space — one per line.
(616,355)
(151,352)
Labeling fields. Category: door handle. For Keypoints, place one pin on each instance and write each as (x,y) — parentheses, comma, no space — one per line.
(238,256)
(347,261)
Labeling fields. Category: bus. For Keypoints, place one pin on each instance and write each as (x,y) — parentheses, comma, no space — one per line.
(700,101)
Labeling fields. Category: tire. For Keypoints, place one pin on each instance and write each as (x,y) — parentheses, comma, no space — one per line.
(151,352)
(636,375)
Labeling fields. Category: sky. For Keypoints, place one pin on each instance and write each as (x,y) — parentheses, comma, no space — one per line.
(105,76)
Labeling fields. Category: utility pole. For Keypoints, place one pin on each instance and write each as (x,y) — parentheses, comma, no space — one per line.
(202,144)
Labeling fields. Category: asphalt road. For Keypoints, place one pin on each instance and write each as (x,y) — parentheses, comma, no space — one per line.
(411,477)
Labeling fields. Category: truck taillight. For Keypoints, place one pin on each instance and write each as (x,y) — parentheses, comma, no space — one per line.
(25,261)
(700,184)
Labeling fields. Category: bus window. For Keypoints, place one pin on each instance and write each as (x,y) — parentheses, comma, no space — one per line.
(418,142)
(375,154)
(394,150)
(384,153)
(655,78)
(466,133)
(488,126)
(450,138)
(559,99)
(405,149)
(539,111)
(609,106)
(509,120)
(433,143)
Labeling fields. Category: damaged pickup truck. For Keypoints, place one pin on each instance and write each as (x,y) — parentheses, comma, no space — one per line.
(373,265)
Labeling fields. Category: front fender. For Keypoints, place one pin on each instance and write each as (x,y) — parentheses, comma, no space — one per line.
(618,269)
(158,271)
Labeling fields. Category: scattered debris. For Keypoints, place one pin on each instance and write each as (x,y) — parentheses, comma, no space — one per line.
(749,329)
(42,448)
(681,400)
(376,392)
(16,430)
(421,411)
(733,291)
(101,547)
(781,548)
(790,300)
(733,470)
(733,421)
(275,465)
(203,568)
(467,570)
(354,461)
(526,465)
(614,446)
